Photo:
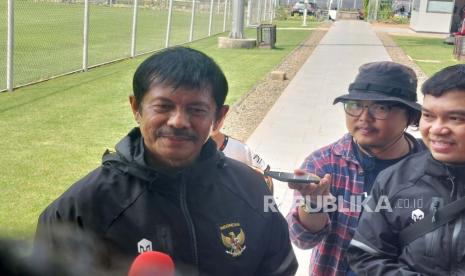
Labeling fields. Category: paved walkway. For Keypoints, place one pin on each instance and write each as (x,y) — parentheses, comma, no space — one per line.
(304,119)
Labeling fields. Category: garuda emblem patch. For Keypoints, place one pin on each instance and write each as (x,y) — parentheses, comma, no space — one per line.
(233,239)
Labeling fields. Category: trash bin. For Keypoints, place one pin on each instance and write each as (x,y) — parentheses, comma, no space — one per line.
(459,48)
(266,36)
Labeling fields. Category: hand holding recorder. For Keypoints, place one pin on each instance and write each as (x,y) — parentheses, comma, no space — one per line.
(307,184)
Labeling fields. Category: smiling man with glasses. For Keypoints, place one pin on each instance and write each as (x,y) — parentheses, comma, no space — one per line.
(380,105)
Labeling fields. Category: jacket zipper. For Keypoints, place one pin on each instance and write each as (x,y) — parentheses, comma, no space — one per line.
(433,236)
(456,231)
(190,224)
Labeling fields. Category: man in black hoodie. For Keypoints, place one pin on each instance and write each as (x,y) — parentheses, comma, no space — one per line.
(413,237)
(168,189)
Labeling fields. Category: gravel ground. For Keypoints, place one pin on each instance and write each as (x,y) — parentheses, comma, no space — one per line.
(247,113)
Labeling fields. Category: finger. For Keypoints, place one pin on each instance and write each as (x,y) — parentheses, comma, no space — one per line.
(294,186)
(300,172)
(325,183)
(308,189)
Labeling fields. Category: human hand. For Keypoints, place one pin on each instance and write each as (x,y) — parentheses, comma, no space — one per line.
(313,190)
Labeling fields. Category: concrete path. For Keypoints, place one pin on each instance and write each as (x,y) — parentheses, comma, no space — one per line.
(304,119)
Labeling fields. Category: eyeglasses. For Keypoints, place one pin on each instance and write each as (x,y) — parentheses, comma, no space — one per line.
(378,111)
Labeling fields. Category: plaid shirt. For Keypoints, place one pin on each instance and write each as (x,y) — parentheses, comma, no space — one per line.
(332,241)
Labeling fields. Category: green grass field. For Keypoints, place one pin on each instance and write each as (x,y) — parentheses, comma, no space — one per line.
(296,22)
(430,54)
(48,36)
(55,132)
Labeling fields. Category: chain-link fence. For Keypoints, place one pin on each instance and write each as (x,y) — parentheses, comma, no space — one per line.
(259,11)
(55,37)
(379,10)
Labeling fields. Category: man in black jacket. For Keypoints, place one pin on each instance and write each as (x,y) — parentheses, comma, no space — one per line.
(168,189)
(416,188)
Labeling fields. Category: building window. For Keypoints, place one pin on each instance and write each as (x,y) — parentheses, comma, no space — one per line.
(440,6)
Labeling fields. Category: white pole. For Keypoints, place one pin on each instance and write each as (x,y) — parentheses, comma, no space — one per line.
(264,10)
(376,11)
(210,20)
(191,33)
(10,46)
(355,4)
(229,8)
(134,29)
(249,12)
(168,24)
(270,13)
(85,40)
(237,28)
(259,13)
(304,23)
(225,14)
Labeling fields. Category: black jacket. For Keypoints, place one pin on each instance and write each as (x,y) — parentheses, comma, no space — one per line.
(415,187)
(193,216)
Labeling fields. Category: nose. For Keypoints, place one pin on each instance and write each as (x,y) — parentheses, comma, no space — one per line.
(178,119)
(366,115)
(438,127)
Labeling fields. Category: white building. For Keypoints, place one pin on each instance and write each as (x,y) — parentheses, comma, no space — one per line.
(438,16)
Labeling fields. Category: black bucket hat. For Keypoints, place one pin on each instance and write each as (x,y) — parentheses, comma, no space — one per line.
(384,81)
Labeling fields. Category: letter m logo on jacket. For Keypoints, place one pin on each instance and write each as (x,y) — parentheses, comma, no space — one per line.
(144,245)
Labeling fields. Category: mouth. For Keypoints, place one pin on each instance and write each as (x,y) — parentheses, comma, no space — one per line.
(441,145)
(178,138)
(365,130)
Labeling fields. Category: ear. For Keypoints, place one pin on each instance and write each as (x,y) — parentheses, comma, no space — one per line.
(220,117)
(135,108)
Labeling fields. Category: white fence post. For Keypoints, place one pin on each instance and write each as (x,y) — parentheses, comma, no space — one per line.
(210,19)
(10,46)
(134,29)
(168,24)
(249,11)
(273,9)
(259,13)
(85,40)
(225,14)
(264,9)
(191,33)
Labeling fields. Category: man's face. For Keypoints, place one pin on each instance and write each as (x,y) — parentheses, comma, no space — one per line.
(175,124)
(373,133)
(442,126)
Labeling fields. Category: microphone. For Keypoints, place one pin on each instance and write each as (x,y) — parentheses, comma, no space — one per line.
(152,263)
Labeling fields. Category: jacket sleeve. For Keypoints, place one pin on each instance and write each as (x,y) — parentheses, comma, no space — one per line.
(374,249)
(62,225)
(300,236)
(279,259)
(56,225)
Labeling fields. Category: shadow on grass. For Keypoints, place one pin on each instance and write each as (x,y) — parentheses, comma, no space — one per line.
(53,92)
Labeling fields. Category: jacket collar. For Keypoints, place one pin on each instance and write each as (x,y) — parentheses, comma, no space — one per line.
(130,151)
(437,168)
(344,148)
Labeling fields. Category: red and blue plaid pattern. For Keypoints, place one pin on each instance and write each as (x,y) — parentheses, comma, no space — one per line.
(331,242)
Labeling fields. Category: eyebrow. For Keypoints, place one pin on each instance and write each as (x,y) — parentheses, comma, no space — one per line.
(459,112)
(168,100)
